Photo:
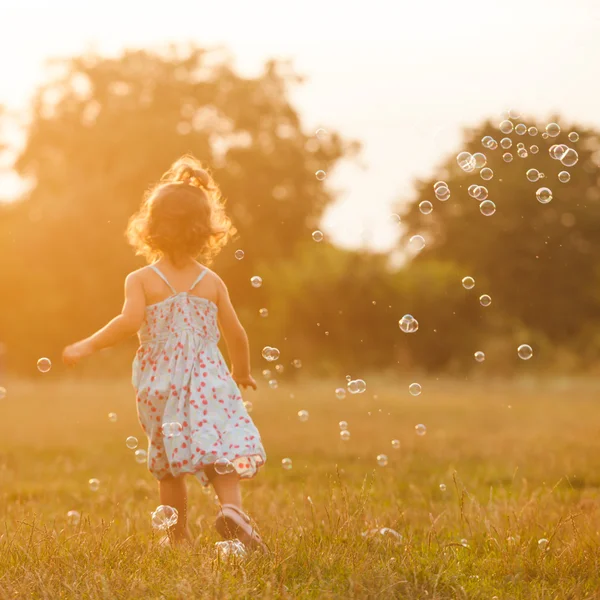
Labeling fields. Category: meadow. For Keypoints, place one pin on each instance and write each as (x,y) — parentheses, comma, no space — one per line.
(520,461)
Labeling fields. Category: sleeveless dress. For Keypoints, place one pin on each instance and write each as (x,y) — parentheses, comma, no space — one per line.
(188,404)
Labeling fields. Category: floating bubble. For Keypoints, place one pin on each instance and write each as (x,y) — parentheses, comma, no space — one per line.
(442,193)
(231,549)
(544,195)
(2,393)
(557,151)
(171,430)
(395,218)
(544,136)
(487,208)
(468,283)
(223,466)
(248,406)
(279,368)
(480,160)
(131,442)
(263,312)
(266,373)
(239,254)
(44,365)
(513,113)
(417,243)
(543,544)
(141,456)
(297,363)
(466,161)
(321,133)
(520,145)
(489,142)
(532,131)
(532,175)
(303,415)
(573,136)
(525,352)
(414,389)
(485,300)
(112,417)
(534,149)
(420,429)
(473,189)
(343,425)
(357,386)
(442,487)
(479,356)
(396,444)
(506,126)
(506,143)
(482,193)
(425,207)
(340,393)
(486,173)
(286,463)
(273,384)
(256,281)
(164,517)
(320,175)
(73,518)
(439,184)
(521,129)
(408,324)
(507,157)
(464,543)
(522,153)
(317,235)
(564,176)
(382,460)
(344,435)
(569,158)
(270,354)
(552,129)
(94,484)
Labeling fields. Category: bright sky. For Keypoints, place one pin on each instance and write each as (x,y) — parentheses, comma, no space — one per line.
(402,76)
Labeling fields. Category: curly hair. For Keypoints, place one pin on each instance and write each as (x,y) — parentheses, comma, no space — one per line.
(181,216)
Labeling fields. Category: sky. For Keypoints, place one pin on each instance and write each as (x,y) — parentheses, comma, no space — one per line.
(403,77)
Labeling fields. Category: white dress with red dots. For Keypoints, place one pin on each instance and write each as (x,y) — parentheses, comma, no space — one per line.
(180,378)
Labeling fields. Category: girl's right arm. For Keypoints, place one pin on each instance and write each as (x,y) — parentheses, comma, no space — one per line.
(235,338)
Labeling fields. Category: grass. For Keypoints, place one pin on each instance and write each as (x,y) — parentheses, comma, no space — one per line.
(521,461)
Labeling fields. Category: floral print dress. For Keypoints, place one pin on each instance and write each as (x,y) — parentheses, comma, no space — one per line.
(183,383)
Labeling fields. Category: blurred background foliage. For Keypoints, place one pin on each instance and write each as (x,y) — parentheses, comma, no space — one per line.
(105,129)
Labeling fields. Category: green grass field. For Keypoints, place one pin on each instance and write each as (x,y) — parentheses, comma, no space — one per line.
(521,461)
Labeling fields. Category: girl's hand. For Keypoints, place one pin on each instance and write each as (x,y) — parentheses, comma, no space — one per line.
(246,381)
(75,352)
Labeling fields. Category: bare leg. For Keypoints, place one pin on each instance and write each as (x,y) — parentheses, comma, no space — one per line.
(227,487)
(173,492)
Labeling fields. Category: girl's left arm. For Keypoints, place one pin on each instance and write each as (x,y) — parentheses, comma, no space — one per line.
(122,326)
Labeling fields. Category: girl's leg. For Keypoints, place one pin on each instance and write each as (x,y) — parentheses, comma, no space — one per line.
(173,492)
(227,487)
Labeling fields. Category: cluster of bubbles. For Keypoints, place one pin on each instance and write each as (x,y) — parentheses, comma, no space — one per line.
(171,430)
(270,354)
(230,549)
(164,517)
(441,191)
(357,386)
(223,466)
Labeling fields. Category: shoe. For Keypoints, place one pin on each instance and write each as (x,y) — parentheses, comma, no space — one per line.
(233,523)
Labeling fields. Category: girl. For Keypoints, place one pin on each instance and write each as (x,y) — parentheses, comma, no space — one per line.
(188,402)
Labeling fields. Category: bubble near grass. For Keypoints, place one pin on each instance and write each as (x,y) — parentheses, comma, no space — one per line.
(73,518)
(468,283)
(256,281)
(543,544)
(231,549)
(525,352)
(44,365)
(223,466)
(543,195)
(357,386)
(286,463)
(414,389)
(487,208)
(408,324)
(425,207)
(164,517)
(442,487)
(382,460)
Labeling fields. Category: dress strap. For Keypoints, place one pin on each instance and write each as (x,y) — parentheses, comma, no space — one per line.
(161,275)
(199,278)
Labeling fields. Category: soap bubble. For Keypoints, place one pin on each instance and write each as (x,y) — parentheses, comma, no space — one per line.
(532,175)
(382,460)
(564,176)
(544,195)
(482,193)
(534,149)
(112,417)
(73,518)
(340,393)
(171,430)
(468,283)
(573,136)
(231,548)
(303,415)
(164,517)
(395,218)
(442,487)
(543,544)
(223,466)
(480,160)
(417,243)
(513,113)
(270,354)
(486,173)
(532,131)
(320,175)
(297,363)
(472,190)
(557,151)
(2,393)
(479,356)
(317,235)
(94,484)
(357,386)
(286,463)
(141,456)
(321,133)
(266,373)
(487,208)
(239,254)
(420,429)
(256,281)
(131,442)
(522,153)
(263,312)
(343,425)
(408,324)
(569,158)
(414,389)
(489,142)
(506,127)
(273,384)
(466,161)
(552,129)
(425,207)
(44,365)
(344,435)
(442,193)
(506,143)
(485,300)
(507,157)
(279,368)
(439,184)
(525,352)
(521,129)
(544,136)
(248,406)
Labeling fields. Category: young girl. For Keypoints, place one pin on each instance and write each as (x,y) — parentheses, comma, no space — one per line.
(188,402)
